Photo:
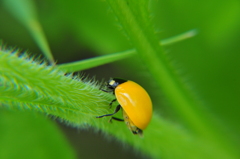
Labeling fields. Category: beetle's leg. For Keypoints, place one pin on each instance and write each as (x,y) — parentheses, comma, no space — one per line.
(102,85)
(138,131)
(116,110)
(114,100)
(106,90)
(114,118)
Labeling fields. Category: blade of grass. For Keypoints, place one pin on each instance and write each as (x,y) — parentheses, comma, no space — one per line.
(97,61)
(180,37)
(25,12)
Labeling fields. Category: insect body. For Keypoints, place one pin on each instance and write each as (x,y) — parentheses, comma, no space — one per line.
(135,102)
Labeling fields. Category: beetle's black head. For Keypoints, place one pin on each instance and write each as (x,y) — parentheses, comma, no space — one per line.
(114,82)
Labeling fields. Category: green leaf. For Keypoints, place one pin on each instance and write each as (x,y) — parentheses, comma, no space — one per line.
(97,61)
(25,12)
(30,135)
(93,62)
(178,38)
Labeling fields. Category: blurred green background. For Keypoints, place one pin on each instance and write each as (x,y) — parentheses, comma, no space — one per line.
(208,63)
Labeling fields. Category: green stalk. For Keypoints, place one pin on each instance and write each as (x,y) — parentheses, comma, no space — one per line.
(134,17)
(154,57)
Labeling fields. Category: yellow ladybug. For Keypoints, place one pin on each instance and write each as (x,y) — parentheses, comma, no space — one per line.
(135,102)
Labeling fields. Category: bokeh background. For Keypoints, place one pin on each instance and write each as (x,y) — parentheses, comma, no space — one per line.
(209,63)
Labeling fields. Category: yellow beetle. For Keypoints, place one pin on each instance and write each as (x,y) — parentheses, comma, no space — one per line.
(135,102)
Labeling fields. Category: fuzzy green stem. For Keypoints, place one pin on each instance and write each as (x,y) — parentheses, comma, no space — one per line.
(27,85)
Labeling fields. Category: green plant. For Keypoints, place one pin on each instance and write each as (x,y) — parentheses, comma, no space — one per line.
(34,86)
